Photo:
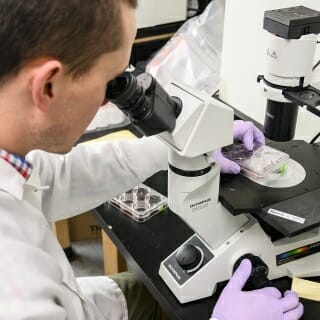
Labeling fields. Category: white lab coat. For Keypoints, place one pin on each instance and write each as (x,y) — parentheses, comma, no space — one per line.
(36,279)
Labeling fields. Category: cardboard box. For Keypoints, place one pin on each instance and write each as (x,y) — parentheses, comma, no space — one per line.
(84,227)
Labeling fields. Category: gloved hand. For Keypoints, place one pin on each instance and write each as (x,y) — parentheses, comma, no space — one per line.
(261,304)
(246,132)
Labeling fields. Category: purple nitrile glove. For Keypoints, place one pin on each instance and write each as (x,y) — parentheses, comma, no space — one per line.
(246,132)
(261,304)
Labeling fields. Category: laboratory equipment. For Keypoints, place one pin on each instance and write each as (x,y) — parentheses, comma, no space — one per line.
(290,52)
(140,203)
(194,125)
(259,162)
(135,97)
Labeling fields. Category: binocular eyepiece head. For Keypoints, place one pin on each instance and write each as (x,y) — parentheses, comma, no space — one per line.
(148,106)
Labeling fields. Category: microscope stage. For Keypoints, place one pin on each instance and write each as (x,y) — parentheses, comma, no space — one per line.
(290,211)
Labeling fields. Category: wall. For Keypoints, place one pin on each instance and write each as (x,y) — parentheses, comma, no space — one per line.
(243,59)
(154,12)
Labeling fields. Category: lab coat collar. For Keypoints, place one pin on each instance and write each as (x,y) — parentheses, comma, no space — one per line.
(14,183)
(11,180)
(34,182)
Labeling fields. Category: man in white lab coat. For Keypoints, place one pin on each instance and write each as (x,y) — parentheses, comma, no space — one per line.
(56,58)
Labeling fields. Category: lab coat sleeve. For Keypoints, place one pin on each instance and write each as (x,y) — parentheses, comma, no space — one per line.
(26,291)
(93,173)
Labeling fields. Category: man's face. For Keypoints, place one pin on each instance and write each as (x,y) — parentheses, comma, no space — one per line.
(76,106)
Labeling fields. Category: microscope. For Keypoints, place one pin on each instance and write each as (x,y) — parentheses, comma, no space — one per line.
(192,125)
(292,42)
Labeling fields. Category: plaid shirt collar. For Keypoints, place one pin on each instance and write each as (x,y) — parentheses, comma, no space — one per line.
(19,163)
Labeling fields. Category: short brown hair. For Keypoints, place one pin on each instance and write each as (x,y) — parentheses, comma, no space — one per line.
(76,32)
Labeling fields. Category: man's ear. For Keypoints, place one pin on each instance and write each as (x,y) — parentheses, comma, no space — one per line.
(43,90)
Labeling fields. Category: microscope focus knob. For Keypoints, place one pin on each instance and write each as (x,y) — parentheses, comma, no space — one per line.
(259,274)
(190,258)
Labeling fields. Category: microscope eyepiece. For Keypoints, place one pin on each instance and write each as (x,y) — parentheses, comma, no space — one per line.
(150,109)
(124,91)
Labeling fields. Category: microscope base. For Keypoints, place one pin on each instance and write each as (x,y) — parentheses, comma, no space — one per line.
(298,256)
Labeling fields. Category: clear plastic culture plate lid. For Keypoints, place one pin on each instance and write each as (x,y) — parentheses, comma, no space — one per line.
(259,162)
(140,203)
